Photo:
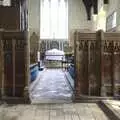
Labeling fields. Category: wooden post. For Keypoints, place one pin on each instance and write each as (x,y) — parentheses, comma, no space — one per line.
(76,82)
(46,44)
(59,45)
(27,70)
(112,68)
(99,38)
(13,60)
(1,64)
(86,63)
(62,46)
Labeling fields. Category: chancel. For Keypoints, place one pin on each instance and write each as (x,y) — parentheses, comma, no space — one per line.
(61,56)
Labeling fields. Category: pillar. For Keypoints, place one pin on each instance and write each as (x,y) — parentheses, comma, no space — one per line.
(34,24)
(33,27)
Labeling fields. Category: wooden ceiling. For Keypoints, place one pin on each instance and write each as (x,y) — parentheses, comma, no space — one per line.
(92,3)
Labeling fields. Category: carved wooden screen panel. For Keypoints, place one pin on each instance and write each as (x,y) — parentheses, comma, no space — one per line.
(19,66)
(14,63)
(83,47)
(111,64)
(1,62)
(97,64)
(8,67)
(84,62)
(92,68)
(116,69)
(107,68)
(77,64)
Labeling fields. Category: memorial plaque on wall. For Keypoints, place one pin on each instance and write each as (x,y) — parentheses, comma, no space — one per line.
(111,22)
(118,17)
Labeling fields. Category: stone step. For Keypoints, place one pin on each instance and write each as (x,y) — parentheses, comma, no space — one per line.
(109,111)
(14,100)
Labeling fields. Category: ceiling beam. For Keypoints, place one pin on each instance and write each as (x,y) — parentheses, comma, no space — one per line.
(92,4)
(95,6)
(88,6)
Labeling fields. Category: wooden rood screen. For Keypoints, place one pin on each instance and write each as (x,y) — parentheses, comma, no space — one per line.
(12,57)
(97,64)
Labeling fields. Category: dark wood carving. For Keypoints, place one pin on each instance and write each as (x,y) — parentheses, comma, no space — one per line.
(88,5)
(9,18)
(14,17)
(97,64)
(14,47)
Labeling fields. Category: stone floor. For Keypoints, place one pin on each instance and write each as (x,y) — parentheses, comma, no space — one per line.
(51,87)
(78,111)
(114,106)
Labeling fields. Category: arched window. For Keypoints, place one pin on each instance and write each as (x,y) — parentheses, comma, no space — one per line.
(54,19)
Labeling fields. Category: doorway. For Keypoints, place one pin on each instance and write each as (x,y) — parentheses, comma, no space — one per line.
(53,82)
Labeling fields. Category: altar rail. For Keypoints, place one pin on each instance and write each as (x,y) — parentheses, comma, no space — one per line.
(97,64)
(13,63)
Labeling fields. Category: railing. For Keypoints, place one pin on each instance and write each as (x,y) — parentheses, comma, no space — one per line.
(53,61)
(47,44)
(97,64)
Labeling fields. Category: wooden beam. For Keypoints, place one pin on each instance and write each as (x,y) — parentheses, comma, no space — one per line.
(95,6)
(88,6)
(99,39)
(1,64)
(13,60)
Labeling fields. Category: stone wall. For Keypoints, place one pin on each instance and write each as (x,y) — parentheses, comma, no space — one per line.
(77,17)
(113,6)
(34,27)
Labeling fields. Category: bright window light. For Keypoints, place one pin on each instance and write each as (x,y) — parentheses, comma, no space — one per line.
(6,2)
(54,19)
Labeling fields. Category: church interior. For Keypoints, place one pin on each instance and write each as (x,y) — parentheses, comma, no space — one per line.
(60,58)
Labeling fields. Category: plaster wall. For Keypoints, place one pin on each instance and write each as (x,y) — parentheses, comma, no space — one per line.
(34,16)
(33,28)
(77,17)
(114,6)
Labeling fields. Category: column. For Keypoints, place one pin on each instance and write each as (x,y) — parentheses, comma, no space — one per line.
(33,26)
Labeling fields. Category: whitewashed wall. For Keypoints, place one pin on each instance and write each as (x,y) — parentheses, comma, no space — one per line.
(77,15)
(34,16)
(77,19)
(114,5)
(6,2)
(33,27)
